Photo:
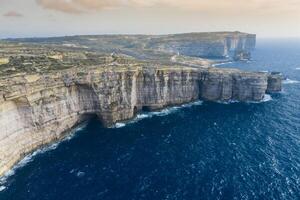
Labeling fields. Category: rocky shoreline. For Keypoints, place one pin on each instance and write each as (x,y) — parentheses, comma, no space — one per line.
(44,107)
(49,85)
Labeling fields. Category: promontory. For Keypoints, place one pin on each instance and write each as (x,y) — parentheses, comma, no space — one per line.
(49,85)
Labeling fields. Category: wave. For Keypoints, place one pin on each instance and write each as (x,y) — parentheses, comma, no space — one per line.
(27,159)
(228,102)
(222,63)
(119,125)
(298,68)
(2,188)
(163,112)
(289,81)
(266,98)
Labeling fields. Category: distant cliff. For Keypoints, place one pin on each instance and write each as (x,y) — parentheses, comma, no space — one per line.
(232,45)
(36,109)
(49,85)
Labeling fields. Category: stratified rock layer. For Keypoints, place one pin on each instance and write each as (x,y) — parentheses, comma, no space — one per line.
(232,45)
(274,82)
(38,109)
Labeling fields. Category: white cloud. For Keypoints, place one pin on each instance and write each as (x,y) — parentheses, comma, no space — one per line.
(79,6)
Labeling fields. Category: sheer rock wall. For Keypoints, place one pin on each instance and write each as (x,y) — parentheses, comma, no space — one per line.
(36,110)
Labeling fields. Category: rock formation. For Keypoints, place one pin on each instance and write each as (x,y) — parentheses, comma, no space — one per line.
(232,45)
(274,82)
(220,45)
(42,95)
(37,109)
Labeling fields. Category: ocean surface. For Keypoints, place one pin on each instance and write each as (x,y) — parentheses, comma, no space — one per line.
(202,150)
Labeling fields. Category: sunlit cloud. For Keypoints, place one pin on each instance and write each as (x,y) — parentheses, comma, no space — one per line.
(81,6)
(60,17)
(78,6)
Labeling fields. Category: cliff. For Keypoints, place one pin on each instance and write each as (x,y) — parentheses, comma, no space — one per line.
(37,109)
(49,85)
(235,45)
(231,45)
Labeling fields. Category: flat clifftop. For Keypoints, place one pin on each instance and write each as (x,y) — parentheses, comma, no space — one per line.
(39,55)
(47,86)
(37,109)
(156,47)
(190,36)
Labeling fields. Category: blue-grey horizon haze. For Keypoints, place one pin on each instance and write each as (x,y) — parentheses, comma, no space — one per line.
(46,18)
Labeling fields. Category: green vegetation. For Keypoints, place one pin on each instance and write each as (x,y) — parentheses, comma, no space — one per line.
(42,55)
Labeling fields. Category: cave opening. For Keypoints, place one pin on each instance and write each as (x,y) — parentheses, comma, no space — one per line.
(146,109)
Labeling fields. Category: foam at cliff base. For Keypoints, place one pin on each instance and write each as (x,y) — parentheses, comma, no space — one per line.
(2,188)
(289,81)
(266,98)
(27,159)
(222,63)
(163,112)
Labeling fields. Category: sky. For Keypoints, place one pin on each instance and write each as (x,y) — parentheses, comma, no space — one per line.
(42,18)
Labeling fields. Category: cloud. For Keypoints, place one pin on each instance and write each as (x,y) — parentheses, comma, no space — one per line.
(12,14)
(216,6)
(78,6)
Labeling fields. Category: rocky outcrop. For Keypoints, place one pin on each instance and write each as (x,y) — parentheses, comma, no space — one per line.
(38,109)
(274,82)
(220,85)
(234,45)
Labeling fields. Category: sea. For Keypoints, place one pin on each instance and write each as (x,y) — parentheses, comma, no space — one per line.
(202,150)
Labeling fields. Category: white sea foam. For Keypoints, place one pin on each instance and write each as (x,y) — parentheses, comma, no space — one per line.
(171,110)
(228,102)
(163,112)
(27,159)
(222,63)
(289,81)
(266,98)
(298,68)
(2,188)
(119,125)
(80,174)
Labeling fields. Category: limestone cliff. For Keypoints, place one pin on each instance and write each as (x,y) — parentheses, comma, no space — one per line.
(232,45)
(49,85)
(38,109)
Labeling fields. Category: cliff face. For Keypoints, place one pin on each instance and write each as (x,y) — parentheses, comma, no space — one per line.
(235,45)
(239,47)
(38,109)
(274,82)
(51,84)
(217,85)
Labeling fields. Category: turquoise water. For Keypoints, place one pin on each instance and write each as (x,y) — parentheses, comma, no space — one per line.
(198,151)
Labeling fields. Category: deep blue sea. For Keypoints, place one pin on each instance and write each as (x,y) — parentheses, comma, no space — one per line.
(199,151)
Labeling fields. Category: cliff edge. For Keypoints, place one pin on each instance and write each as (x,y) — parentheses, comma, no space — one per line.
(47,88)
(43,107)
